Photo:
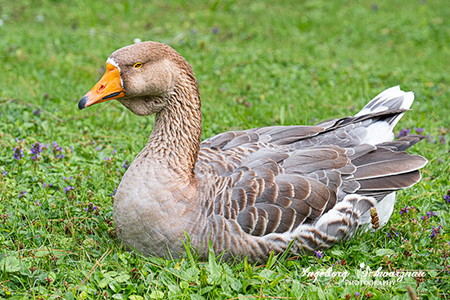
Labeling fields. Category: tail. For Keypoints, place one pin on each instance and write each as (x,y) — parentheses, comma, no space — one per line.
(392,99)
(382,168)
(388,168)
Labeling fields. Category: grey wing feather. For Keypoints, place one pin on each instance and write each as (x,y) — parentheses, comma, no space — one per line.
(277,178)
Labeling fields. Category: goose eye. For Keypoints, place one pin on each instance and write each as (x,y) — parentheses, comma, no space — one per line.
(137,65)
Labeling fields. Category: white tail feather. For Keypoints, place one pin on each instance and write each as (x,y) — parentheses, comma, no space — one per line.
(381,101)
(392,98)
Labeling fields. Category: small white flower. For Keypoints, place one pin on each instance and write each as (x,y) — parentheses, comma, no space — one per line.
(137,40)
(362,265)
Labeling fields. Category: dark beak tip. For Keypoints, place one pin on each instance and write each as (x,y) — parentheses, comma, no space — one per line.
(82,102)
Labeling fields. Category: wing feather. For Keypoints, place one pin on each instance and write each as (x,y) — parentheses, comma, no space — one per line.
(274,179)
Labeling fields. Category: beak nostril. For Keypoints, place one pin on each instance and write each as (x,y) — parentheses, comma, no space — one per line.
(101,88)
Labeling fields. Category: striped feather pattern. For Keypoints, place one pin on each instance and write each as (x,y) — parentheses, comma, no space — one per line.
(312,184)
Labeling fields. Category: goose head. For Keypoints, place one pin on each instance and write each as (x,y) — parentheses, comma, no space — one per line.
(143,77)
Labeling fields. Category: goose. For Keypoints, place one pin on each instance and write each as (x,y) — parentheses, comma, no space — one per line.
(246,194)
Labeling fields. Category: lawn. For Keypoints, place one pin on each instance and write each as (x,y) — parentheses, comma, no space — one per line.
(258,63)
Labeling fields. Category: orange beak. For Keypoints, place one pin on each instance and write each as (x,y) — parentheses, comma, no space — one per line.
(107,88)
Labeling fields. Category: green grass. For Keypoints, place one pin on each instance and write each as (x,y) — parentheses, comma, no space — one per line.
(270,63)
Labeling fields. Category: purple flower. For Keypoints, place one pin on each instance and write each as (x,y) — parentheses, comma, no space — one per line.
(57,150)
(430,214)
(356,294)
(435,231)
(37,112)
(21,194)
(69,188)
(215,30)
(107,160)
(404,132)
(430,139)
(319,254)
(4,173)
(442,139)
(419,130)
(18,152)
(447,198)
(36,149)
(125,164)
(404,210)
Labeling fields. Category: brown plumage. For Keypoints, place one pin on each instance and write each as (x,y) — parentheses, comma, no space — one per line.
(254,191)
